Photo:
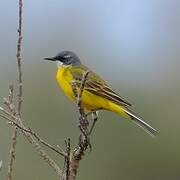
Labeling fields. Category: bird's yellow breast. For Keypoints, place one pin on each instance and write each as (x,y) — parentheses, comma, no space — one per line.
(90,101)
(65,79)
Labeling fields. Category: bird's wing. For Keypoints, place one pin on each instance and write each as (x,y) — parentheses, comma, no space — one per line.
(96,85)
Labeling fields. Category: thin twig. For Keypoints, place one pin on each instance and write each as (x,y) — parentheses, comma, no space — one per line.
(37,147)
(29,130)
(19,56)
(84,141)
(5,111)
(79,97)
(66,170)
(83,119)
(19,61)
(62,153)
(11,95)
(12,153)
(43,154)
(9,101)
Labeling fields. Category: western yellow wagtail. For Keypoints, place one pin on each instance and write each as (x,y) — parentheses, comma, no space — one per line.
(97,94)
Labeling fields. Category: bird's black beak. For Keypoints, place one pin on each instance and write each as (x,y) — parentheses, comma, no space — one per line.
(50,59)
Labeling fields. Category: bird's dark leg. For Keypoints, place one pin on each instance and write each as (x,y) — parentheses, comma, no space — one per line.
(89,113)
(95,118)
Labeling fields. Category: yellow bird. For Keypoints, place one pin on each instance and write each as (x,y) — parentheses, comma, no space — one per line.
(97,94)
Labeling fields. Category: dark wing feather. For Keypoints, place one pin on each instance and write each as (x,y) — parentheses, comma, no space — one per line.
(105,91)
(98,86)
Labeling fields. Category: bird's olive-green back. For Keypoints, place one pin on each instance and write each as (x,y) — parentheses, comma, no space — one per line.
(96,85)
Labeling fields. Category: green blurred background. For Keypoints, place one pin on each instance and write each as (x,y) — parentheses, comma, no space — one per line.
(132,44)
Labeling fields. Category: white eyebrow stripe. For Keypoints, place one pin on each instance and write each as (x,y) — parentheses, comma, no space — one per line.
(67,56)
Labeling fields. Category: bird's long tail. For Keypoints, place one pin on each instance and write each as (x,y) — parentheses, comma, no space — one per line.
(135,118)
(141,123)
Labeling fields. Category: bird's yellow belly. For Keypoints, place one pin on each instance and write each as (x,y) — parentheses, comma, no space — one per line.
(91,102)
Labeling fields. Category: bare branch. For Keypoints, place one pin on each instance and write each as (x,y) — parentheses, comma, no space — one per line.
(66,171)
(11,94)
(83,122)
(42,153)
(12,153)
(4,111)
(84,140)
(19,61)
(9,101)
(79,97)
(29,130)
(61,152)
(19,56)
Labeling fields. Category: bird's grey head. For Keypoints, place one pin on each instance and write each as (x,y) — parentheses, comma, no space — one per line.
(66,58)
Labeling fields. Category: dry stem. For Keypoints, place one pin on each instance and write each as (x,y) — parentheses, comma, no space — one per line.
(12,120)
(27,133)
(66,171)
(84,140)
(19,61)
